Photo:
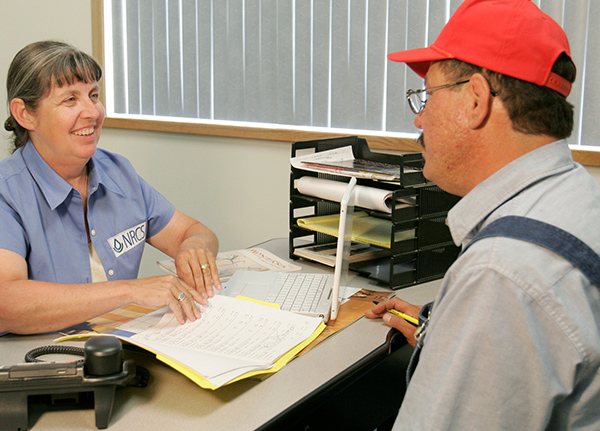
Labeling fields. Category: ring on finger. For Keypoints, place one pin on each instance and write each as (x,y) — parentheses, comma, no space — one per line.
(206,265)
(181,296)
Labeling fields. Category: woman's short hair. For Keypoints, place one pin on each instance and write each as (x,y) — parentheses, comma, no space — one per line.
(532,109)
(36,69)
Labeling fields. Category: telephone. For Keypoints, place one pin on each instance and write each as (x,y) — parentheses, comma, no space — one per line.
(101,371)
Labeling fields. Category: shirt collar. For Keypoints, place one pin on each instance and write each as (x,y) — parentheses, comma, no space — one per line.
(54,188)
(99,176)
(469,213)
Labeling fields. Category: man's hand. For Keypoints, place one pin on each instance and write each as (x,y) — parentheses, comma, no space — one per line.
(407,329)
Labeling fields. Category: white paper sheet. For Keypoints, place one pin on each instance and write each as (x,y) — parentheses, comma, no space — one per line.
(251,259)
(232,337)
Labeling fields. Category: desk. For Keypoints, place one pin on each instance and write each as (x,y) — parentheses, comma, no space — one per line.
(172,401)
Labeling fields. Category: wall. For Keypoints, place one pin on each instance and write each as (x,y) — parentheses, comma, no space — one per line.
(237,187)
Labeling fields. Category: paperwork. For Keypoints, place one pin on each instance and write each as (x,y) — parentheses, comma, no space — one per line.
(325,253)
(251,259)
(341,161)
(234,339)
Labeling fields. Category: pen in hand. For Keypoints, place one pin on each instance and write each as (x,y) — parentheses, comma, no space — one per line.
(405,316)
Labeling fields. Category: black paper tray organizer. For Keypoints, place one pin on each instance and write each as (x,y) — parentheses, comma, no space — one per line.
(415,240)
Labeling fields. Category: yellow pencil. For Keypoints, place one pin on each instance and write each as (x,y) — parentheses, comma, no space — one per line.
(404,316)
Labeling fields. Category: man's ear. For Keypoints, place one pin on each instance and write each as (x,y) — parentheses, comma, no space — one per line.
(481,93)
(21,114)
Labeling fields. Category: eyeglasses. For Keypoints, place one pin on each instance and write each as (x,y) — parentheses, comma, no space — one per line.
(417,98)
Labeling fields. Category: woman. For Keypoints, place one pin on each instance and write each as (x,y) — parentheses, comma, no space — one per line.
(74,218)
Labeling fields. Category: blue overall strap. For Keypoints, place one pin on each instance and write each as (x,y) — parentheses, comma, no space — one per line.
(551,237)
(537,232)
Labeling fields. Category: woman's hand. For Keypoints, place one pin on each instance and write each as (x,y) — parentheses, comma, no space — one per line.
(167,290)
(197,267)
(193,246)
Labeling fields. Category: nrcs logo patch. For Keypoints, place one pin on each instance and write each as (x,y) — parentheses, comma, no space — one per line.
(128,239)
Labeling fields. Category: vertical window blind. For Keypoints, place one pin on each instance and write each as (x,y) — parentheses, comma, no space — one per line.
(313,63)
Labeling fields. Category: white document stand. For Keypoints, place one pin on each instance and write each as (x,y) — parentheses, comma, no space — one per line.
(342,255)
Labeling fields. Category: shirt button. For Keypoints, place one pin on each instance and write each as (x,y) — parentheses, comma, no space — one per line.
(93,232)
(111,272)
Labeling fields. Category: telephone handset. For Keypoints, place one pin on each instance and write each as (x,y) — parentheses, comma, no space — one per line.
(101,372)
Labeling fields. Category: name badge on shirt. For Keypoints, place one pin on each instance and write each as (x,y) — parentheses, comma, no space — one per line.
(128,239)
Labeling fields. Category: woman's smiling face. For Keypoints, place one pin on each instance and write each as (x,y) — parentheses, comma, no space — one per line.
(65,127)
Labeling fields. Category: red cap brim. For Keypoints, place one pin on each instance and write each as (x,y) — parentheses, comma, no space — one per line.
(419,59)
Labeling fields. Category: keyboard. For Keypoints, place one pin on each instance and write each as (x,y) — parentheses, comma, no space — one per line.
(299,293)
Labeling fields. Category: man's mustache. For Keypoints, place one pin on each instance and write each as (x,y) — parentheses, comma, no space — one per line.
(420,140)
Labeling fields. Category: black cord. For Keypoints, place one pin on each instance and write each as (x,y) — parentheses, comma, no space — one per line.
(140,378)
(32,355)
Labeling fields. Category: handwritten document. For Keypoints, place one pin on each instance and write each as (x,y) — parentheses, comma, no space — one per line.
(232,334)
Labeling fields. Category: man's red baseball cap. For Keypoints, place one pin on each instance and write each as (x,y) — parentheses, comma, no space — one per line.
(511,37)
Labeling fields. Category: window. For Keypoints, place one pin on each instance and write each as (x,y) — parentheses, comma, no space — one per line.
(294,64)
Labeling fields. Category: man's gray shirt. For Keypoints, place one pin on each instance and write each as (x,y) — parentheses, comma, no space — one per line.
(514,339)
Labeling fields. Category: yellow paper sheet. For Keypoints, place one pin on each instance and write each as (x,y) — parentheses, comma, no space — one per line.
(365,229)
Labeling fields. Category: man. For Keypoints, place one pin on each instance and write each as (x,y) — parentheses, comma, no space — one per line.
(512,341)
